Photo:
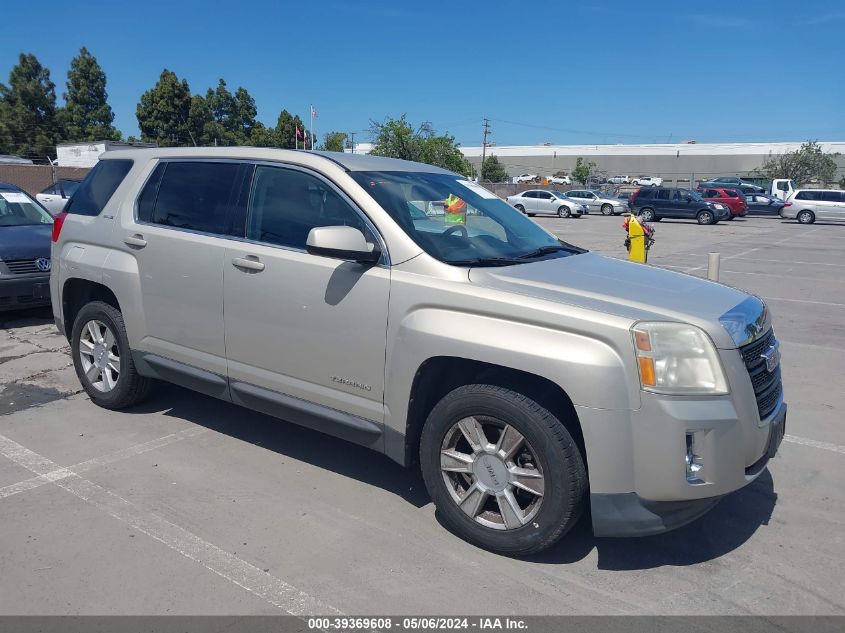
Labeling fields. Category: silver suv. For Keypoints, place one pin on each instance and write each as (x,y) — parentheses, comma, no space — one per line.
(409,310)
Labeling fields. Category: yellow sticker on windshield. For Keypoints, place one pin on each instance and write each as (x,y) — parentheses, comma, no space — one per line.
(456,210)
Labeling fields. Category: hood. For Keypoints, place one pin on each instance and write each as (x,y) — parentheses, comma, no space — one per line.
(636,291)
(25,242)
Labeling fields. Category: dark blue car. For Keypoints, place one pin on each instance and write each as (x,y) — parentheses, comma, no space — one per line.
(25,228)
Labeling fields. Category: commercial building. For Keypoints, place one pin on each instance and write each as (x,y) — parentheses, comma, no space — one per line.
(87,154)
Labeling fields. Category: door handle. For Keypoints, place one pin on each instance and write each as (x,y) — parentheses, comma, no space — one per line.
(136,240)
(250,262)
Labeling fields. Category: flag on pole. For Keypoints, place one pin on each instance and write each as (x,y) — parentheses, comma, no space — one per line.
(299,133)
(313,112)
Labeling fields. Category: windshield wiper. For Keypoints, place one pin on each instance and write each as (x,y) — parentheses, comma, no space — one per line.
(485,261)
(546,250)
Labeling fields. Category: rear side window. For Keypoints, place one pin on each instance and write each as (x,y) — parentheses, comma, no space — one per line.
(831,196)
(730,193)
(645,193)
(190,195)
(98,187)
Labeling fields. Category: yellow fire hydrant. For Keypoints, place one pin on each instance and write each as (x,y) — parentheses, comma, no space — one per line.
(639,239)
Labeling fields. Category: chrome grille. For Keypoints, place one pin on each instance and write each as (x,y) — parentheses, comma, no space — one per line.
(767,385)
(21,266)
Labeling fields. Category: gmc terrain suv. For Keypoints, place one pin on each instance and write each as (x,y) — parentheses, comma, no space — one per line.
(404,308)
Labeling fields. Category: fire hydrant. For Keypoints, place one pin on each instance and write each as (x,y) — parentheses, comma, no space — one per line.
(639,238)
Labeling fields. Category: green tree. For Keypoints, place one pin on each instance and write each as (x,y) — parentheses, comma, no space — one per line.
(285,131)
(808,163)
(396,138)
(87,116)
(28,113)
(164,112)
(493,170)
(582,170)
(334,142)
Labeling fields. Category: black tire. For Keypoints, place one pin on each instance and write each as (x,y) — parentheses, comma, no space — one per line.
(531,215)
(806,217)
(607,209)
(706,217)
(647,215)
(730,217)
(130,388)
(556,453)
(564,212)
(519,208)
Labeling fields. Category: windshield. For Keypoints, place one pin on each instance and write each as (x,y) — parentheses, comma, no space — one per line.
(458,221)
(18,209)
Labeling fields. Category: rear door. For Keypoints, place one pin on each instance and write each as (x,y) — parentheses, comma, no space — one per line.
(663,204)
(178,238)
(530,201)
(831,206)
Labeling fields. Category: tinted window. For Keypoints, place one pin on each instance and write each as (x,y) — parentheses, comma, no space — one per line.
(730,193)
(544,195)
(51,190)
(147,199)
(645,193)
(831,196)
(806,195)
(97,188)
(286,204)
(529,194)
(195,196)
(663,194)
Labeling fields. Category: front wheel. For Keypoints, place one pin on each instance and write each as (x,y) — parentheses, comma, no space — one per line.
(607,209)
(705,217)
(519,208)
(564,212)
(103,360)
(504,473)
(806,217)
(647,215)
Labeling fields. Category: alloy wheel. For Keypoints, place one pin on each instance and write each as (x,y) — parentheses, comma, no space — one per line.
(492,473)
(99,355)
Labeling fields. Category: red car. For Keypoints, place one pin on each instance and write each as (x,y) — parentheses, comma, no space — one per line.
(731,198)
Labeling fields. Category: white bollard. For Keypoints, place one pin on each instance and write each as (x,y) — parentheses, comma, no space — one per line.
(713,266)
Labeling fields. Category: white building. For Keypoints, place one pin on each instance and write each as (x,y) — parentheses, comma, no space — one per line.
(87,154)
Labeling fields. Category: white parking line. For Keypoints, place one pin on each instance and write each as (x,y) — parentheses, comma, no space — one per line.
(821,303)
(61,473)
(803,441)
(268,587)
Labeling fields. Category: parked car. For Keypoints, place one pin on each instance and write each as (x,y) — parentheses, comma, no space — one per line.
(655,203)
(809,205)
(597,201)
(500,365)
(733,182)
(731,198)
(560,180)
(620,180)
(647,181)
(525,178)
(545,202)
(55,197)
(763,204)
(25,228)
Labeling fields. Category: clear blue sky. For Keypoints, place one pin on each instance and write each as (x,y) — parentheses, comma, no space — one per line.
(542,71)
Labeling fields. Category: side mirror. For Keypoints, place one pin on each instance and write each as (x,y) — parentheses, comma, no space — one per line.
(341,242)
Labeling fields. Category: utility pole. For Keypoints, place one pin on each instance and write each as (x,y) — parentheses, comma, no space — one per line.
(486,128)
(352,134)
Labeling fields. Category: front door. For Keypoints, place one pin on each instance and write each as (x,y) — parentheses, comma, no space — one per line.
(545,202)
(297,324)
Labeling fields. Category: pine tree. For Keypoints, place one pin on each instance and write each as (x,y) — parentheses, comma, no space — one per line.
(28,125)
(164,111)
(87,116)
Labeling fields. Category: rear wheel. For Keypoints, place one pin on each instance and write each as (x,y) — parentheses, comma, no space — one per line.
(103,360)
(731,216)
(504,473)
(564,212)
(607,209)
(806,217)
(705,217)
(647,215)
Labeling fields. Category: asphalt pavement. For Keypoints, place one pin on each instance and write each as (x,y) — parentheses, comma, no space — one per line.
(187,505)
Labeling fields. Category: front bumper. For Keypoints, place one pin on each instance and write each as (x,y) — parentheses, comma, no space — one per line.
(24,291)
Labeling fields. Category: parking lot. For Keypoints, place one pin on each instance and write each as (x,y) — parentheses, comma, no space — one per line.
(189,505)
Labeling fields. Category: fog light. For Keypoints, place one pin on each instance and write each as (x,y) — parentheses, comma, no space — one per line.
(692,460)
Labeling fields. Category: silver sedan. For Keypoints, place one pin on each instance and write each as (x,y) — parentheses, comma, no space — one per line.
(542,201)
(597,201)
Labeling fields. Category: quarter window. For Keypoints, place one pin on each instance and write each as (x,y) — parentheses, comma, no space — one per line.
(98,187)
(190,195)
(663,194)
(831,196)
(285,204)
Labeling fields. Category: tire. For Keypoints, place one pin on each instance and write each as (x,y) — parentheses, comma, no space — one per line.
(116,390)
(705,217)
(547,451)
(607,209)
(806,217)
(730,217)
(531,215)
(654,184)
(647,215)
(519,208)
(564,212)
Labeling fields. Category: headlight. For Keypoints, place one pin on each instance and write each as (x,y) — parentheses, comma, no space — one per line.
(677,359)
